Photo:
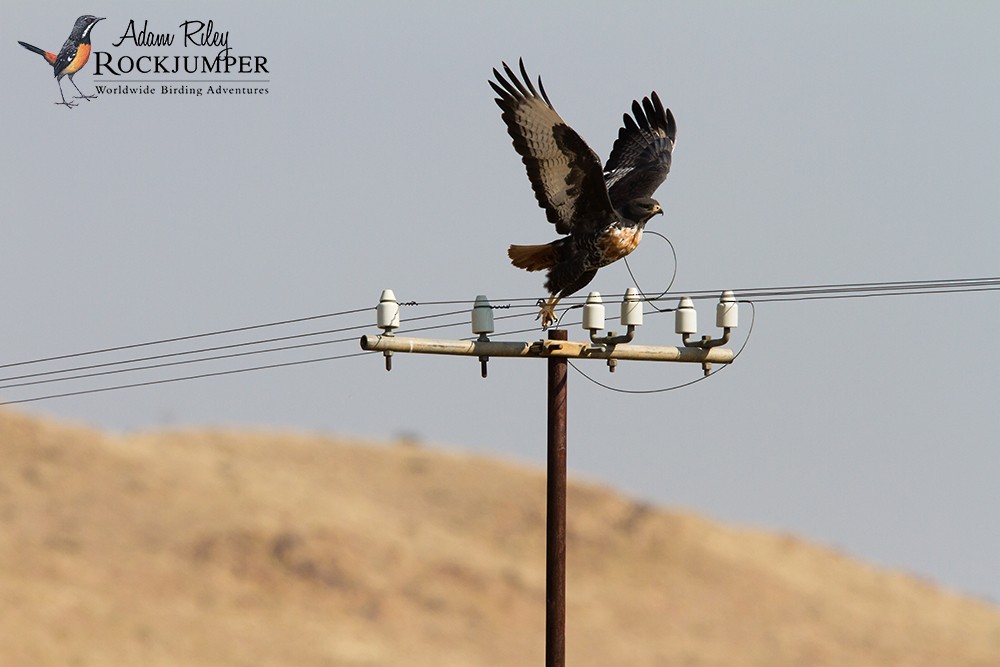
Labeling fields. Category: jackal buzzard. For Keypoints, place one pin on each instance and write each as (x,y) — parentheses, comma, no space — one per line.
(601,211)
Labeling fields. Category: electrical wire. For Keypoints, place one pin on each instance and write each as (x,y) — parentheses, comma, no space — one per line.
(233,355)
(858,290)
(914,292)
(231,371)
(670,284)
(215,348)
(199,376)
(761,295)
(176,339)
(169,364)
(953,284)
(169,355)
(754,295)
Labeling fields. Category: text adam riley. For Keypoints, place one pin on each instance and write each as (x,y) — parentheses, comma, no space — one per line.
(195,33)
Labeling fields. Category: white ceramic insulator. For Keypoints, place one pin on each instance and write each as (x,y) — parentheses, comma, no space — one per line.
(727,312)
(593,312)
(482,316)
(387,312)
(686,317)
(632,308)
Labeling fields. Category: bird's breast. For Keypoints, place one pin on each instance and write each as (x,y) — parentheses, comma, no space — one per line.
(617,242)
(79,59)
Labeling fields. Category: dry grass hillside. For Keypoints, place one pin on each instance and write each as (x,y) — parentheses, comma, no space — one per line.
(222,548)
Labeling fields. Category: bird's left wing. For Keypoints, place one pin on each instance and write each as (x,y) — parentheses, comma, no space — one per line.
(564,172)
(640,158)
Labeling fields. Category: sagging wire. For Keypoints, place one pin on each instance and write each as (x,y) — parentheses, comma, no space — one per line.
(673,276)
(650,300)
(753,317)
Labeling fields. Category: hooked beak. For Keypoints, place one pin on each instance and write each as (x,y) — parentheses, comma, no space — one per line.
(658,210)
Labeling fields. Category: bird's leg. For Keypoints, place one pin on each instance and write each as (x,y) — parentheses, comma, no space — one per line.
(81,95)
(70,104)
(547,312)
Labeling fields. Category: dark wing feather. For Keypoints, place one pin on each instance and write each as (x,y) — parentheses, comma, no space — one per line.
(65,57)
(564,172)
(640,158)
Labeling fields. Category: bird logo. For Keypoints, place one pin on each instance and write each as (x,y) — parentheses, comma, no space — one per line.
(73,55)
(602,211)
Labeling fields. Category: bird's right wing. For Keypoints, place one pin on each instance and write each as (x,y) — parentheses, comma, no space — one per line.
(565,173)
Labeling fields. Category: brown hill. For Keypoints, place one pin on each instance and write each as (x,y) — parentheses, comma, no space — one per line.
(215,548)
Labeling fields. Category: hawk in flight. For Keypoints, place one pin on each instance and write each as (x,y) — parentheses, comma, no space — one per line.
(601,211)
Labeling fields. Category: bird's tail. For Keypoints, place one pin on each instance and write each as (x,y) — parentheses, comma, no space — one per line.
(533,257)
(51,57)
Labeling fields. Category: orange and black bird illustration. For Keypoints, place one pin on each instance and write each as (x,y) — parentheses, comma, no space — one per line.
(602,211)
(71,57)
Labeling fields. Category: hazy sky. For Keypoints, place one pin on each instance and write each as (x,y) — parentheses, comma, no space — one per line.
(817,144)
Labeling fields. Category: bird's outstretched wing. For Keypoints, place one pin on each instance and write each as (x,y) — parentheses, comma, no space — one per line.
(564,172)
(640,158)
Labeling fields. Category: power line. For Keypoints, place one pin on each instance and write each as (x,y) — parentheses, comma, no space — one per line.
(758,295)
(149,383)
(215,348)
(931,286)
(169,355)
(858,289)
(216,358)
(176,339)
(166,364)
(916,292)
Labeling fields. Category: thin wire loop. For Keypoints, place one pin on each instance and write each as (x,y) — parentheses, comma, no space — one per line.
(753,317)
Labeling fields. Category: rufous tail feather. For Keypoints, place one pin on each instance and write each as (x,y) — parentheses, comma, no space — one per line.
(51,57)
(532,257)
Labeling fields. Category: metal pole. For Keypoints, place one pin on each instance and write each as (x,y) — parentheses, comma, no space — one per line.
(555,528)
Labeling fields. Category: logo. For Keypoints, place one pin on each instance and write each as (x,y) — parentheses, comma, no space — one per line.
(73,55)
(196,60)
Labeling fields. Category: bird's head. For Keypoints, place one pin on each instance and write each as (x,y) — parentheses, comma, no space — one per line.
(641,209)
(85,23)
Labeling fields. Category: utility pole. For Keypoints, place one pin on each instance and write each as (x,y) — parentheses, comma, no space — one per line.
(555,514)
(558,349)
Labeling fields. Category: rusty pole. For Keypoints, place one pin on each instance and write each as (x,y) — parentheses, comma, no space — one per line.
(555,524)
